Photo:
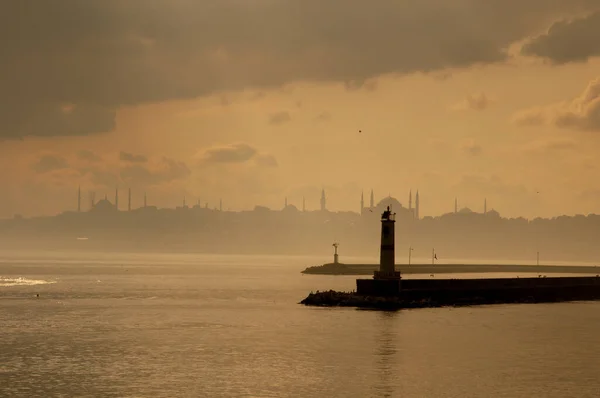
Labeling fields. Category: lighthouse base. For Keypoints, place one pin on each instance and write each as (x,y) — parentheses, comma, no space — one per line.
(386,275)
(378,287)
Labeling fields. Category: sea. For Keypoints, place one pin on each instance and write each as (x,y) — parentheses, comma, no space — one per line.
(178,325)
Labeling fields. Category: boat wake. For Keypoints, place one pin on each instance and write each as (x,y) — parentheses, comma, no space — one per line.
(8,282)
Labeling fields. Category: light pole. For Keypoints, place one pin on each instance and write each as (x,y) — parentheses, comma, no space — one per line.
(335,254)
(410,249)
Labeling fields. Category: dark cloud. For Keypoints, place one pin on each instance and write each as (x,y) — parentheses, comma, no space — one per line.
(279,118)
(49,163)
(88,155)
(130,157)
(18,120)
(568,41)
(100,55)
(234,153)
(581,113)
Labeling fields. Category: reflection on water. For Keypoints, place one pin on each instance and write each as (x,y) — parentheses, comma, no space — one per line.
(19,281)
(385,353)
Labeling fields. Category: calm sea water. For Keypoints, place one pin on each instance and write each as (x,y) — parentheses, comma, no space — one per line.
(230,326)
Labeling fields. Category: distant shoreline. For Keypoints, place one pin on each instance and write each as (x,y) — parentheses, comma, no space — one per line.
(367,269)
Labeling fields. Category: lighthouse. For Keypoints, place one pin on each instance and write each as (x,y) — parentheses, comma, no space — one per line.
(387,253)
(386,281)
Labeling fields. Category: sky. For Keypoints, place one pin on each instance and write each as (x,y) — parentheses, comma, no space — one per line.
(255,101)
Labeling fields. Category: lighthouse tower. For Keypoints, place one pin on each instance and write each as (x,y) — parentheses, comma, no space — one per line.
(386,281)
(387,256)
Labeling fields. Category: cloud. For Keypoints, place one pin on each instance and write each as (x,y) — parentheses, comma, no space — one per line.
(361,84)
(438,144)
(88,155)
(475,102)
(591,195)
(489,185)
(75,63)
(236,158)
(233,153)
(78,170)
(52,119)
(530,117)
(581,113)
(266,161)
(153,172)
(471,148)
(48,163)
(279,118)
(568,41)
(161,171)
(130,157)
(550,146)
(323,117)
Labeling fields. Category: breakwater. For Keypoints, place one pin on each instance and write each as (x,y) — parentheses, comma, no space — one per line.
(367,269)
(464,292)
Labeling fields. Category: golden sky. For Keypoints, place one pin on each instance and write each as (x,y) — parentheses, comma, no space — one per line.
(255,101)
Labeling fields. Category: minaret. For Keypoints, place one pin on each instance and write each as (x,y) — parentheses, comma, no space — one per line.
(286,203)
(116,198)
(323,201)
(410,200)
(184,205)
(387,253)
(92,200)
(372,199)
(485,206)
(417,205)
(362,202)
(79,199)
(303,204)
(145,200)
(220,204)
(129,200)
(455,205)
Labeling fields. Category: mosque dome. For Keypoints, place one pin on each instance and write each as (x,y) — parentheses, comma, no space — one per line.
(493,213)
(103,205)
(290,208)
(394,204)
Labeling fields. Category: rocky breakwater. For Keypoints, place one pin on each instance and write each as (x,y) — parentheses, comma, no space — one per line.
(465,292)
(332,298)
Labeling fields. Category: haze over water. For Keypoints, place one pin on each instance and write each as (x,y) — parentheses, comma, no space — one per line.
(230,326)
